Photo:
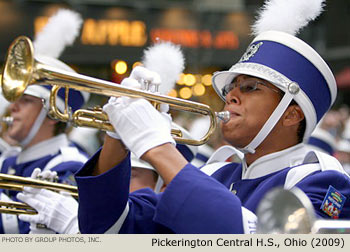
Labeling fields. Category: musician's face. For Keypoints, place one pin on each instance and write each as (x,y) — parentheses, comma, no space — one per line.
(24,112)
(250,106)
(142,178)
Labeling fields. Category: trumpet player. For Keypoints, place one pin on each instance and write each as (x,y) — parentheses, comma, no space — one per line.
(8,147)
(44,142)
(276,94)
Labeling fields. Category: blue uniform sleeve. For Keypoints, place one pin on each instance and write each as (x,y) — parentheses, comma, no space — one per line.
(142,205)
(317,185)
(102,198)
(105,203)
(196,203)
(66,170)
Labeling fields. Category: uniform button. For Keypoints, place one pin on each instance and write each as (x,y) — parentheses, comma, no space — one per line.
(234,191)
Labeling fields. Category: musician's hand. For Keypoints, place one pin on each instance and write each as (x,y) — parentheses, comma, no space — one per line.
(138,76)
(46,175)
(58,211)
(140,126)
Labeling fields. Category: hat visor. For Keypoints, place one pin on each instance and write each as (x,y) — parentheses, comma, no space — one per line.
(220,79)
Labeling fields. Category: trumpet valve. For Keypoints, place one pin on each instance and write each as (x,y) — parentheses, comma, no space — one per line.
(150,86)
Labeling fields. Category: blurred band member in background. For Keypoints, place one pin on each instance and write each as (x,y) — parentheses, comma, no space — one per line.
(44,142)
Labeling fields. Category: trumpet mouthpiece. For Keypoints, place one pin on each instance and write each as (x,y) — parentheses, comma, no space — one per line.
(223,116)
(7,120)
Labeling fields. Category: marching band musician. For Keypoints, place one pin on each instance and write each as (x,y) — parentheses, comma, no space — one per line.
(276,94)
(43,140)
(8,147)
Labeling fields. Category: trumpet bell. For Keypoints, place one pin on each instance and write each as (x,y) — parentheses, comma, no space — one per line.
(18,70)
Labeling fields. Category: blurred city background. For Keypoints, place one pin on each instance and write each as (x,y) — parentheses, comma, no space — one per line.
(212,33)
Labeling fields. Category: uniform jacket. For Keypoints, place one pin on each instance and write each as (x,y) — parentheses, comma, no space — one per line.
(200,201)
(56,154)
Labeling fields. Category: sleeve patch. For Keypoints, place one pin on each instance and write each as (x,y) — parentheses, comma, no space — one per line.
(333,203)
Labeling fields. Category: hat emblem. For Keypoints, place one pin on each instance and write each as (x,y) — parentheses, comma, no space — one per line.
(251,51)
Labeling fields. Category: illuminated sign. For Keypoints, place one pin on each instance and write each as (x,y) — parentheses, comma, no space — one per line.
(107,32)
(114,32)
(134,33)
(193,38)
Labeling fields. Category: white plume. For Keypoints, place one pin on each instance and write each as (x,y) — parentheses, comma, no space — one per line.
(167,60)
(286,15)
(60,31)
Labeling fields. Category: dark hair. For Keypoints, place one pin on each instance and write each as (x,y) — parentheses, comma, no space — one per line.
(302,125)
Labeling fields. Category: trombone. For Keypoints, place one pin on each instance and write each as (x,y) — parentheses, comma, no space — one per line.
(17,183)
(21,70)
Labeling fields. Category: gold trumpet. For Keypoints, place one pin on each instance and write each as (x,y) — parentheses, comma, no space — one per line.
(21,70)
(17,183)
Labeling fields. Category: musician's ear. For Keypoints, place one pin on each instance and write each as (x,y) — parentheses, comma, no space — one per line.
(292,116)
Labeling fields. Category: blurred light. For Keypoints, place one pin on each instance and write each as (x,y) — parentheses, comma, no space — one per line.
(198,78)
(172,93)
(189,80)
(206,79)
(198,89)
(39,24)
(181,80)
(137,63)
(120,67)
(185,93)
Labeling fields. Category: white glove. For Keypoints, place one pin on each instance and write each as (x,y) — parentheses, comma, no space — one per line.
(47,175)
(58,211)
(112,134)
(144,76)
(140,126)
(138,78)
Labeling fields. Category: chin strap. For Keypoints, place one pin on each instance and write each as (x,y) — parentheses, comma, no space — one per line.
(35,127)
(159,184)
(293,89)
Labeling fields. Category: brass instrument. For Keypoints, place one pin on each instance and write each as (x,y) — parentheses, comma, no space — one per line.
(291,212)
(14,207)
(21,70)
(5,122)
(8,120)
(17,183)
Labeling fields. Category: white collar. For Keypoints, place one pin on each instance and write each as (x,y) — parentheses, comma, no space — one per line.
(42,149)
(274,162)
(3,145)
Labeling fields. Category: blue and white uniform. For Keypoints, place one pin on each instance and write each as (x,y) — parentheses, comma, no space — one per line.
(56,154)
(143,211)
(313,173)
(184,208)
